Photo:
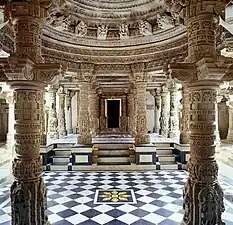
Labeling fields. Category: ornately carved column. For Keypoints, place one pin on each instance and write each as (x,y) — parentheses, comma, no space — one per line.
(3,120)
(61,113)
(164,119)
(174,132)
(230,129)
(124,117)
(184,125)
(11,121)
(84,119)
(141,128)
(69,95)
(43,135)
(131,112)
(203,196)
(26,73)
(157,110)
(28,191)
(140,84)
(93,112)
(78,102)
(52,114)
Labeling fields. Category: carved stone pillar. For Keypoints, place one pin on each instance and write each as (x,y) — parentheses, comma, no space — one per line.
(3,120)
(52,115)
(203,196)
(26,73)
(223,117)
(124,117)
(93,112)
(164,119)
(78,102)
(230,129)
(131,112)
(61,113)
(203,168)
(141,128)
(157,110)
(28,187)
(11,122)
(103,126)
(69,95)
(84,120)
(43,135)
(184,125)
(174,131)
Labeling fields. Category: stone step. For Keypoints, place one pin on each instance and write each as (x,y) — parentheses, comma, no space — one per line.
(64,145)
(110,152)
(166,158)
(113,159)
(61,159)
(62,151)
(168,166)
(113,146)
(112,163)
(164,150)
(163,144)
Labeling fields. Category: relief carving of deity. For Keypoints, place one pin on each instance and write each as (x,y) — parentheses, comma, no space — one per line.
(144,28)
(102,32)
(124,31)
(81,29)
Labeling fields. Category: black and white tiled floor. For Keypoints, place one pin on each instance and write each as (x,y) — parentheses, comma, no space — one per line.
(154,198)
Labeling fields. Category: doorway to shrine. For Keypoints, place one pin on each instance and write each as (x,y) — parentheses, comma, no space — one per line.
(113,113)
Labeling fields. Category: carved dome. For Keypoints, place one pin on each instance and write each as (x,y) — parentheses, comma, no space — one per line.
(111,19)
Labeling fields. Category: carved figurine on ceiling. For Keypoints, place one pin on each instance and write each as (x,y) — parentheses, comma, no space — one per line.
(102,32)
(124,31)
(145,28)
(164,21)
(81,29)
(58,21)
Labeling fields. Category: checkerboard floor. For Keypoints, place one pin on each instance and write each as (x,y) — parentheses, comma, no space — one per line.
(158,198)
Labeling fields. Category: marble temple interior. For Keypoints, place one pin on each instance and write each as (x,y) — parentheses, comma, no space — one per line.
(116,112)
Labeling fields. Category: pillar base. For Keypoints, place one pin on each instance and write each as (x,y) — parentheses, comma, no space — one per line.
(28,202)
(142,139)
(69,131)
(84,139)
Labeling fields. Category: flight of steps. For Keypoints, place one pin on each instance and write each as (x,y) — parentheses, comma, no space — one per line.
(113,154)
(166,158)
(62,157)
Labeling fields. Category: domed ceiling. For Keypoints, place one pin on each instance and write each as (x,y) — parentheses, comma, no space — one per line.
(111,19)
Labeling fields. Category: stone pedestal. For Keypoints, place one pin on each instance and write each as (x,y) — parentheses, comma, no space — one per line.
(165,106)
(184,124)
(141,127)
(84,119)
(174,131)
